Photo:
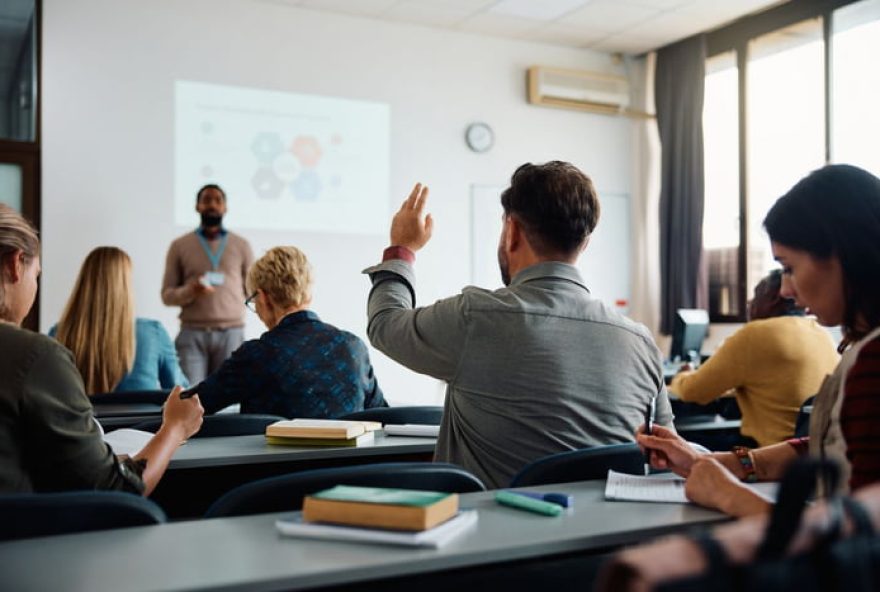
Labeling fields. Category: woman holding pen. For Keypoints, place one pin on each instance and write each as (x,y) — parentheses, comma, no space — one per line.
(49,439)
(824,232)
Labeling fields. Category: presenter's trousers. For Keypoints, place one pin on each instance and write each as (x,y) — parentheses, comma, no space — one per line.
(203,351)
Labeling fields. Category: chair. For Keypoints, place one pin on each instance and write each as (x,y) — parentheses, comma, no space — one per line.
(214,426)
(582,465)
(426,415)
(43,514)
(802,423)
(286,493)
(130,397)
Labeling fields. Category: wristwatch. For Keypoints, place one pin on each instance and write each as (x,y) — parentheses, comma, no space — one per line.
(744,456)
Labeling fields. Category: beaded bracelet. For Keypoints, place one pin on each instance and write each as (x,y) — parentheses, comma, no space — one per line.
(744,457)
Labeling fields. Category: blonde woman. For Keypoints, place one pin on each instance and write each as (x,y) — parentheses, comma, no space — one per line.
(112,350)
(49,439)
(301,366)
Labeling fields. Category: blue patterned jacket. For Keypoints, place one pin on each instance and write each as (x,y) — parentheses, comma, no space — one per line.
(301,368)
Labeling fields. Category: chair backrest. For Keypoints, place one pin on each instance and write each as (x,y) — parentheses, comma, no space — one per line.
(286,493)
(213,426)
(131,397)
(426,415)
(802,423)
(582,465)
(24,515)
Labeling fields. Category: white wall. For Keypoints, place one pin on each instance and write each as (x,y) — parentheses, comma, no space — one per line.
(107,135)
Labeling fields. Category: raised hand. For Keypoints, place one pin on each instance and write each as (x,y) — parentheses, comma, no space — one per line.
(410,227)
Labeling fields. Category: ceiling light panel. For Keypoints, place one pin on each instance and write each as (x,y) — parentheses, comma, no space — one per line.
(543,10)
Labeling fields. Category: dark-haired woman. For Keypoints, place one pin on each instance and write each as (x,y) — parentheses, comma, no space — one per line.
(826,234)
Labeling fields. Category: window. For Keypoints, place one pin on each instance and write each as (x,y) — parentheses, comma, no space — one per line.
(721,214)
(766,125)
(785,95)
(856,86)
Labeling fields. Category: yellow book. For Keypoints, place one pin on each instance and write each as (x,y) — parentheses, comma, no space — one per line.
(320,428)
(366,438)
(379,507)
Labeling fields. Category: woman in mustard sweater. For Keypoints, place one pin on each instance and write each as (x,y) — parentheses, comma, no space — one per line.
(775,362)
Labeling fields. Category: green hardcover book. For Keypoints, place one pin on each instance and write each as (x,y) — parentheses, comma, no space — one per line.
(398,509)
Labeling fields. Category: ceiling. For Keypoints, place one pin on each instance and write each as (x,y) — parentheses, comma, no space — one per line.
(614,26)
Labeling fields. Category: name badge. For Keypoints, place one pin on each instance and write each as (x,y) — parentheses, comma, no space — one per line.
(215,278)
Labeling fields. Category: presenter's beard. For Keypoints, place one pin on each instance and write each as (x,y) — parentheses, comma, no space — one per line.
(504,266)
(211,219)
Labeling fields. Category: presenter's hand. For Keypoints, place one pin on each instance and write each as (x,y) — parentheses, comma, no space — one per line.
(668,450)
(410,227)
(184,415)
(199,289)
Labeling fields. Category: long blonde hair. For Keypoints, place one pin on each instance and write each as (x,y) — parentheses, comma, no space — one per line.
(98,320)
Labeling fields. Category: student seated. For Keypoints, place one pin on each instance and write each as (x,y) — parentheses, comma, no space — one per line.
(112,350)
(775,362)
(301,366)
(49,439)
(537,367)
(824,233)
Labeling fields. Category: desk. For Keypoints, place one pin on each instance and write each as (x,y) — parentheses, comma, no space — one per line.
(247,553)
(203,469)
(122,415)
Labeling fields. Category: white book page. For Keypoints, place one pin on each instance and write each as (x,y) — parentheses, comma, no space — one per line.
(433,537)
(639,488)
(412,429)
(127,441)
(665,488)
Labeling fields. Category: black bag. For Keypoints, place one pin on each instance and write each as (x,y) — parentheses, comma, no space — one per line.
(834,563)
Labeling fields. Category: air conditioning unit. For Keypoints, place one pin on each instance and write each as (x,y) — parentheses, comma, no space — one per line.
(578,89)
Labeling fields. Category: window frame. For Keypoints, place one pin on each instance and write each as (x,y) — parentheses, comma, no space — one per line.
(736,37)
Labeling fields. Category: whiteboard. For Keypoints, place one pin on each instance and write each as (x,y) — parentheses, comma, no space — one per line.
(605,264)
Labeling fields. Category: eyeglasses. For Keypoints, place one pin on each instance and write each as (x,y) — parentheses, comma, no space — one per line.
(251,302)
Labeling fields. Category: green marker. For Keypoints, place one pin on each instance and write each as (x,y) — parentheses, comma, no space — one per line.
(521,502)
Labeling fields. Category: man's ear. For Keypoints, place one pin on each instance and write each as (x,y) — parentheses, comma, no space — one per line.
(515,235)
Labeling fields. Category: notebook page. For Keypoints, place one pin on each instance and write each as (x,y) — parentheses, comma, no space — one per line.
(621,486)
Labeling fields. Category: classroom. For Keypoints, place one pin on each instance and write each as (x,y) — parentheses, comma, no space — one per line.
(690,118)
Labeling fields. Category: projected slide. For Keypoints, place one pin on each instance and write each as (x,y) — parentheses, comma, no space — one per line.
(285,160)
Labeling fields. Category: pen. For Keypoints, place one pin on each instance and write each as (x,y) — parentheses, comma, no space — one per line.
(522,502)
(190,392)
(560,499)
(650,412)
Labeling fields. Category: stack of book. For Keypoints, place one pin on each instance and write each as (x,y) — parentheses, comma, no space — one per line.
(397,516)
(321,432)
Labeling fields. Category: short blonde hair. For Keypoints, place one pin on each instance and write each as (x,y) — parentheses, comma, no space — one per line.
(284,274)
(97,324)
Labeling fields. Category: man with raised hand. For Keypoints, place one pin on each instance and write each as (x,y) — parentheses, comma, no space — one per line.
(534,368)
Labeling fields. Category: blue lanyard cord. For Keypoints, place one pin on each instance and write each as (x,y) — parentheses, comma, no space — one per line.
(214,258)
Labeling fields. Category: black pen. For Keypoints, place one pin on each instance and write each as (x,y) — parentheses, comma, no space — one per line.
(190,392)
(650,412)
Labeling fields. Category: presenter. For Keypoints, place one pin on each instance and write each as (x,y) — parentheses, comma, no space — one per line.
(205,273)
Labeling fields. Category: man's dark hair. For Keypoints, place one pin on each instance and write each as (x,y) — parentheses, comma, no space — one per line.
(556,204)
(210,186)
(835,211)
(768,303)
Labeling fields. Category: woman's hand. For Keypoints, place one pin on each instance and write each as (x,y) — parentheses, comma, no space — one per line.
(667,450)
(184,415)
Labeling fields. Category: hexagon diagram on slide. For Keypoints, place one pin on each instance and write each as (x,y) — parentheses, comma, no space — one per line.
(266,184)
(266,146)
(307,187)
(307,150)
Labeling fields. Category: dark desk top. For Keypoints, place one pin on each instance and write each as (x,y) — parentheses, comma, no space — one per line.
(245,450)
(247,553)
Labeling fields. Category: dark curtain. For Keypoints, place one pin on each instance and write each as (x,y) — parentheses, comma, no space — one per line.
(678,94)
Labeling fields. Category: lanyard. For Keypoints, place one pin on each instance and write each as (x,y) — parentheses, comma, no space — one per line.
(214,258)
